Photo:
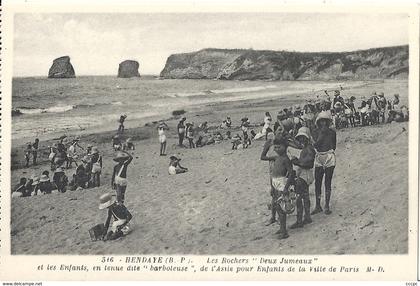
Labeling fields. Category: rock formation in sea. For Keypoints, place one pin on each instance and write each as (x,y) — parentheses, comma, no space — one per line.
(128,68)
(377,63)
(61,68)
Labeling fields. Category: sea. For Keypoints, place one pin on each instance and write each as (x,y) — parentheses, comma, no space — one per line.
(94,103)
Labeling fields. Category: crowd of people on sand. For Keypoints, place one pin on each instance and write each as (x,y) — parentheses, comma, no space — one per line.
(63,154)
(310,128)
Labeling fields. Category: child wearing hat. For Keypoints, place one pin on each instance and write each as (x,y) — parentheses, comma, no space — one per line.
(304,173)
(175,167)
(119,176)
(119,213)
(45,186)
(281,173)
(325,145)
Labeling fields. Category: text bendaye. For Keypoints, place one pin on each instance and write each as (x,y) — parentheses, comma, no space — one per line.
(162,259)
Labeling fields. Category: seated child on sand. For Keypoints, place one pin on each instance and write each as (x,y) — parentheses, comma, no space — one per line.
(228,135)
(45,186)
(119,213)
(228,122)
(82,176)
(236,142)
(175,167)
(20,189)
(116,142)
(129,145)
(218,137)
(60,179)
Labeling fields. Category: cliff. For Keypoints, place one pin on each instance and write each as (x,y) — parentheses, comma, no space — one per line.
(378,63)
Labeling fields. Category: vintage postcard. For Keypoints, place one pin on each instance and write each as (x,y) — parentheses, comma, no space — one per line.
(209,142)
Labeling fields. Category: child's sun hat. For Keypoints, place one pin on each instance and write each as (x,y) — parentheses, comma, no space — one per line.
(105,201)
(120,157)
(44,178)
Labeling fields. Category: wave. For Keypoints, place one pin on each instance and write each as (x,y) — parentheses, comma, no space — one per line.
(63,108)
(221,91)
(243,89)
(188,94)
(53,109)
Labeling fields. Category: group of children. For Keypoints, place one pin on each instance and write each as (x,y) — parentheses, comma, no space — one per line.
(118,143)
(62,157)
(35,185)
(312,131)
(374,109)
(87,175)
(31,151)
(291,176)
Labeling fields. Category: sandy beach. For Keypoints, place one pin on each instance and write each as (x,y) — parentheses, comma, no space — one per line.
(220,205)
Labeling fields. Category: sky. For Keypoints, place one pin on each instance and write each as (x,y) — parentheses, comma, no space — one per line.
(97,43)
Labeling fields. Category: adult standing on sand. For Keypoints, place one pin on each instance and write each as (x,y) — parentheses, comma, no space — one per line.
(325,145)
(181,131)
(119,176)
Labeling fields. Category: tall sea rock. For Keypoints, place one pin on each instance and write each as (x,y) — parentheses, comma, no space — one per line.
(378,63)
(61,68)
(128,68)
